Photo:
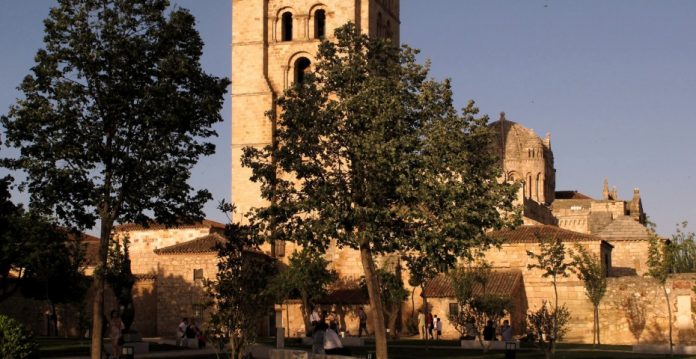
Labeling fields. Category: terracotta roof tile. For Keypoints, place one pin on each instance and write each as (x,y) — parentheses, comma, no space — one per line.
(205,244)
(532,234)
(206,223)
(501,283)
(625,228)
(571,195)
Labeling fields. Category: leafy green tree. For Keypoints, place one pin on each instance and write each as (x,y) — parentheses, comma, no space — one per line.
(121,279)
(16,341)
(13,244)
(683,246)
(393,294)
(548,326)
(476,305)
(306,277)
(115,113)
(240,295)
(45,264)
(660,263)
(551,260)
(589,269)
(54,266)
(421,271)
(368,152)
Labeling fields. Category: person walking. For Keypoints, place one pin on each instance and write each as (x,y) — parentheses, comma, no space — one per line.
(116,333)
(362,318)
(489,331)
(438,328)
(506,331)
(181,331)
(429,325)
(421,324)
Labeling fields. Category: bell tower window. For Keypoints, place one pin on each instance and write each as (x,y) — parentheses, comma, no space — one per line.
(320,24)
(301,68)
(286,33)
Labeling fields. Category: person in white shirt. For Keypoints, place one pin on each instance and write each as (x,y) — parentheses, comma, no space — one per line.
(332,342)
(438,327)
(182,331)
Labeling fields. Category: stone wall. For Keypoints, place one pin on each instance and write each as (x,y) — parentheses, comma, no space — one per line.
(346,315)
(75,319)
(144,242)
(629,257)
(178,295)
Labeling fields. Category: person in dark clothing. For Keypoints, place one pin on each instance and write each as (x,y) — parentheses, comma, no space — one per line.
(489,331)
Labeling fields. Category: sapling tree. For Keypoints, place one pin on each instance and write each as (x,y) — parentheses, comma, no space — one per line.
(551,260)
(589,269)
(240,295)
(660,262)
(307,276)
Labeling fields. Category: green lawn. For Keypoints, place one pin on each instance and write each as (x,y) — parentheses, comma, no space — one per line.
(59,347)
(401,349)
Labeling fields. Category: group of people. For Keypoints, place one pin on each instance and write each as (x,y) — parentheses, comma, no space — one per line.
(325,338)
(490,332)
(189,331)
(429,325)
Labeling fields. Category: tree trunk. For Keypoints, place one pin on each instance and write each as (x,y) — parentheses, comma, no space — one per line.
(304,307)
(555,319)
(393,316)
(669,313)
(98,302)
(55,318)
(413,304)
(599,342)
(368,264)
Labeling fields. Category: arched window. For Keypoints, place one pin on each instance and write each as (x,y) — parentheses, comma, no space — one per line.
(388,32)
(286,26)
(301,68)
(319,24)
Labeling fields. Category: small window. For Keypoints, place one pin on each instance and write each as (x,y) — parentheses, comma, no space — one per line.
(278,249)
(286,26)
(198,275)
(320,24)
(454,309)
(301,68)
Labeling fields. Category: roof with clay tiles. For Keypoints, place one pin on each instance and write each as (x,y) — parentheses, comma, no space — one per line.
(571,195)
(500,283)
(625,228)
(205,244)
(206,223)
(533,234)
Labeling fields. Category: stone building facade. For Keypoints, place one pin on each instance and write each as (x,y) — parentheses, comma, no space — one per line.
(273,43)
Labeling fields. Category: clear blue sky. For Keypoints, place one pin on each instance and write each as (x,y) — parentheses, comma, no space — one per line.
(614,82)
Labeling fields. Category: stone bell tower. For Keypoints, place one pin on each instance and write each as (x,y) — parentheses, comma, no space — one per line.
(273,43)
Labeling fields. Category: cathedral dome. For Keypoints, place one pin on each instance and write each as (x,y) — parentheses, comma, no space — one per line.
(517,141)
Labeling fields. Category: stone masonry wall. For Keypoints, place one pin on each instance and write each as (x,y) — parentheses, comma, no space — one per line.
(178,295)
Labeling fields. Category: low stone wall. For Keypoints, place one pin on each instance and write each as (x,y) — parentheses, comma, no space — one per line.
(633,310)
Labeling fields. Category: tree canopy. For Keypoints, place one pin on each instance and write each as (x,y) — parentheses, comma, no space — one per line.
(114,114)
(369,152)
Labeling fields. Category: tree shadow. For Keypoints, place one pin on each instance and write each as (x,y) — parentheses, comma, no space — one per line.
(634,311)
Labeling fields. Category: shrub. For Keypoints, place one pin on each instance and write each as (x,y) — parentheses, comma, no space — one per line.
(16,341)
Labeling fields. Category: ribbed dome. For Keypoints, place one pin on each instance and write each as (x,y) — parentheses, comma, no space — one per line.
(517,138)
